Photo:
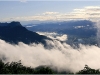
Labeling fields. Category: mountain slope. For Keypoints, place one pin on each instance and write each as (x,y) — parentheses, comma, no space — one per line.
(14,32)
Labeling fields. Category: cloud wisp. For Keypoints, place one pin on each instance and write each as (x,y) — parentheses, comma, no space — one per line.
(23,1)
(54,36)
(97,25)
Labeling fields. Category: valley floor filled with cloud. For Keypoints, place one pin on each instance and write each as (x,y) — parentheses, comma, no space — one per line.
(61,57)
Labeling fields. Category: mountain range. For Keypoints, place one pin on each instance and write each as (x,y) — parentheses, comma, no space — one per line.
(77,31)
(81,28)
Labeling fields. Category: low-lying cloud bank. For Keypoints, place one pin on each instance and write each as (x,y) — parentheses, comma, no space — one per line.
(62,56)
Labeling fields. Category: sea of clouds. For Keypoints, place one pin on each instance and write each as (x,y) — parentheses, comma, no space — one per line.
(61,57)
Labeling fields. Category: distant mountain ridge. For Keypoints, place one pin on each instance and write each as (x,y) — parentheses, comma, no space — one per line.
(14,32)
(81,28)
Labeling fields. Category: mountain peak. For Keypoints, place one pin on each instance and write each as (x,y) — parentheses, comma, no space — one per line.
(14,23)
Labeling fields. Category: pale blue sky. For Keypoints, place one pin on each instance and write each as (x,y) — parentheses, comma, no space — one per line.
(10,9)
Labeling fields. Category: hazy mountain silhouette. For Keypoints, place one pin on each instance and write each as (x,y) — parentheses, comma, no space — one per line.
(14,32)
(81,28)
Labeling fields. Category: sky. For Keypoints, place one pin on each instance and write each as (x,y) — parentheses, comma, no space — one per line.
(27,10)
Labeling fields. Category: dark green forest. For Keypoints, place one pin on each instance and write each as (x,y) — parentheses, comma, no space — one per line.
(18,68)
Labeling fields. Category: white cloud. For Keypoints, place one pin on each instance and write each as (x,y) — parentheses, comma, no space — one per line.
(50,13)
(53,35)
(89,12)
(62,38)
(24,1)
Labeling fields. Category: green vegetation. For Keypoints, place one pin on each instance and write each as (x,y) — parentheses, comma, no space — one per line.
(88,70)
(18,68)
